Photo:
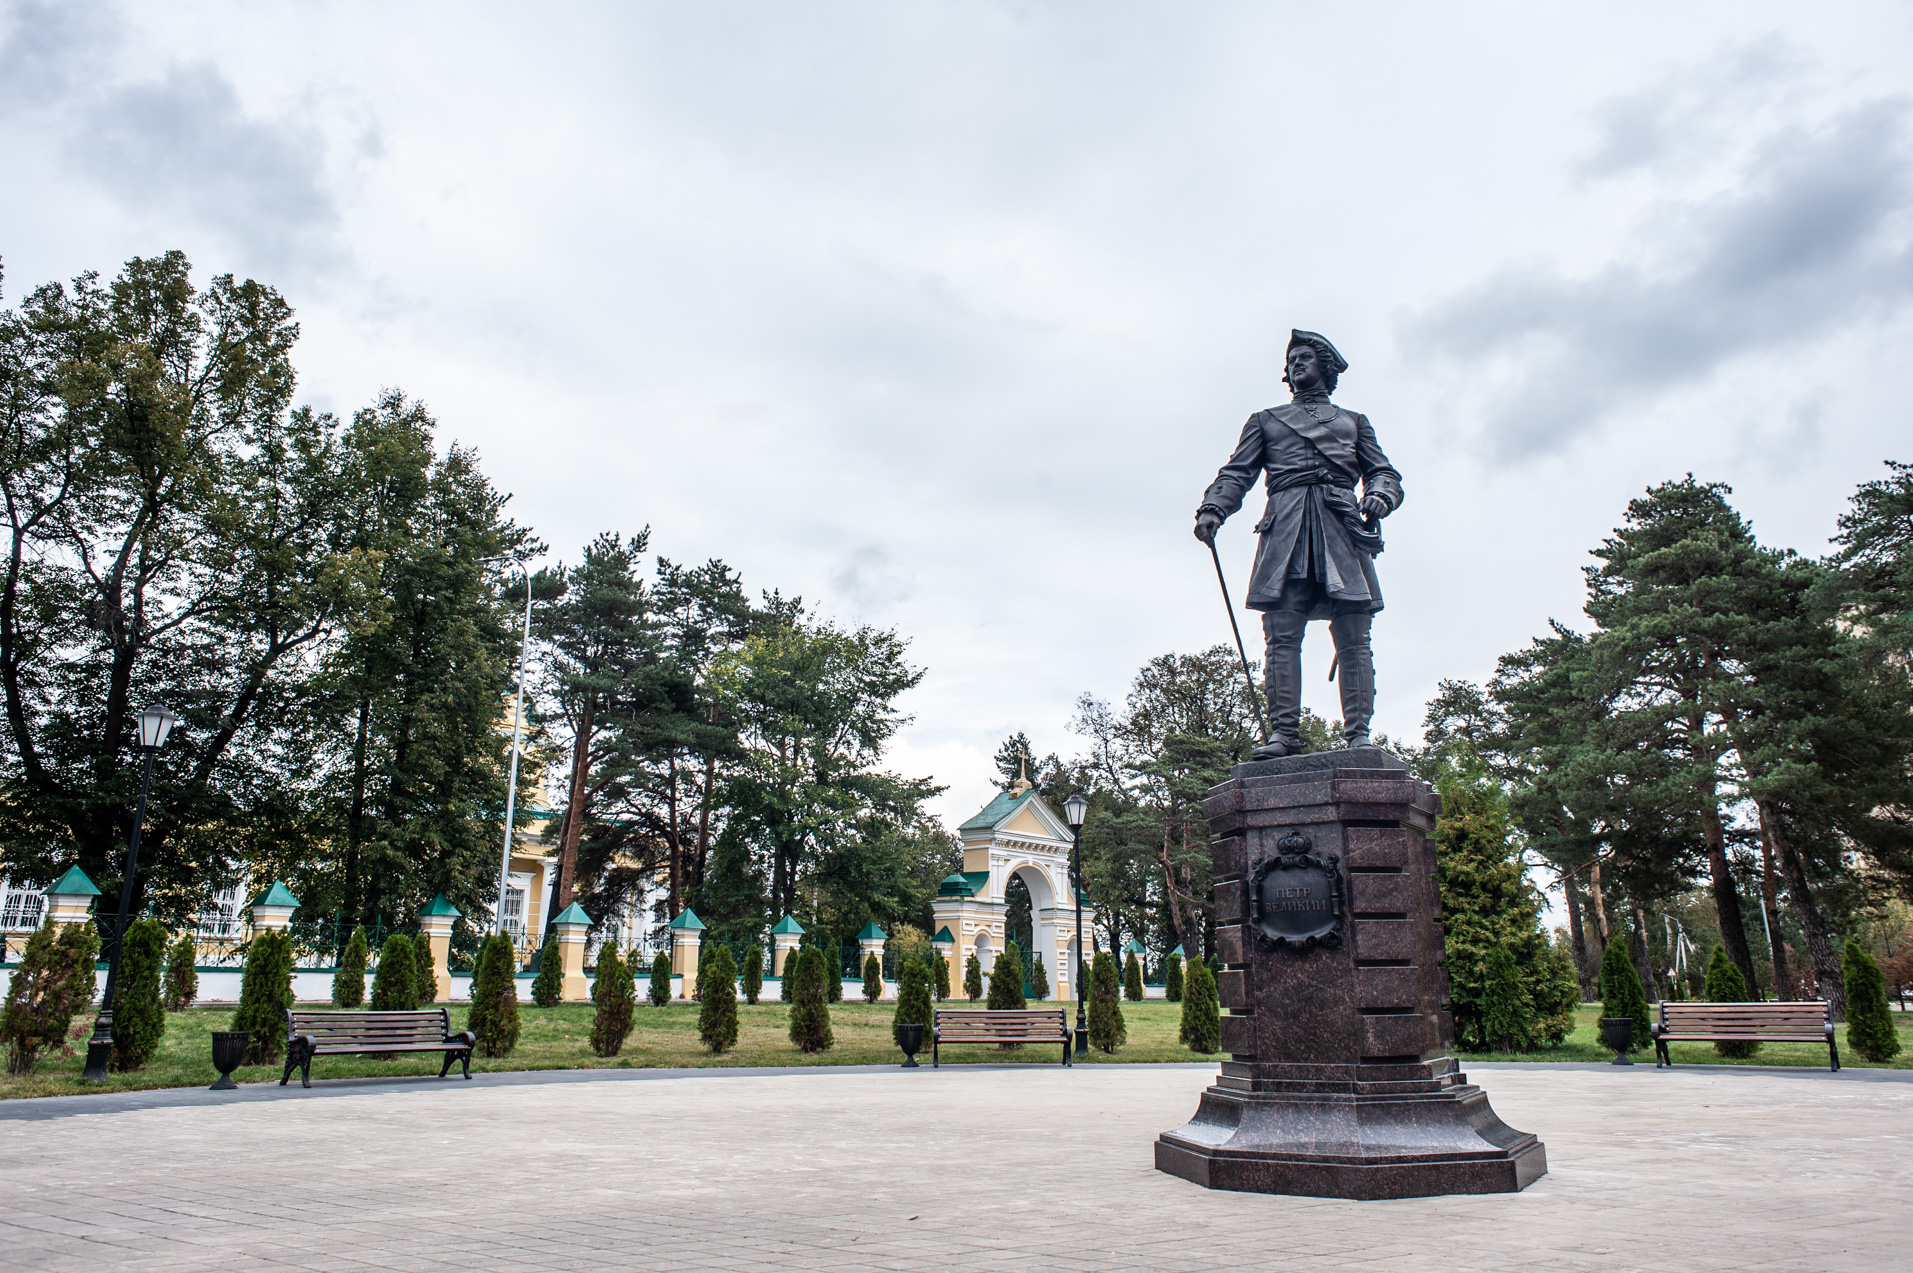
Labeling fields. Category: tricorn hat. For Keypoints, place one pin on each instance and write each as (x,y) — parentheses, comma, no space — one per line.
(1319,343)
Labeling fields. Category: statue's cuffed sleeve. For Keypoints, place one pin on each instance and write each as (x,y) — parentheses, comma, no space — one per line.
(1379,477)
(1241,472)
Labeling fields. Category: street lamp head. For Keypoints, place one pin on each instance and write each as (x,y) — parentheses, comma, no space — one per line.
(1076,809)
(154,724)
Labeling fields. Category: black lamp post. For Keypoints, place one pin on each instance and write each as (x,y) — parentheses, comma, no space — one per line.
(1076,810)
(154,724)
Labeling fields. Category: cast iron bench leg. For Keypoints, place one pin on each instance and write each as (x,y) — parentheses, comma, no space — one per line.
(1833,1049)
(446,1068)
(292,1062)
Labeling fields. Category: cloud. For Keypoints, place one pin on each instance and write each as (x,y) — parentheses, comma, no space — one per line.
(186,143)
(178,146)
(868,581)
(1807,239)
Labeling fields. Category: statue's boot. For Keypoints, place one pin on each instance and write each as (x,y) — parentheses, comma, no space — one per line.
(1282,676)
(1355,665)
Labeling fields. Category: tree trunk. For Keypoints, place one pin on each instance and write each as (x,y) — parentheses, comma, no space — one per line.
(1726,895)
(1770,906)
(1643,962)
(1826,960)
(574,811)
(1600,903)
(1584,969)
(354,898)
(674,874)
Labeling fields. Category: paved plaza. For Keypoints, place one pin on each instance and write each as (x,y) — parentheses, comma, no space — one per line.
(967,1168)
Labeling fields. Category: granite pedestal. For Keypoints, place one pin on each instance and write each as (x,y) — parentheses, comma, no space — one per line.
(1338,1084)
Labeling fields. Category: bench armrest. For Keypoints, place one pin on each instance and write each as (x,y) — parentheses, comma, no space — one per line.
(470,1039)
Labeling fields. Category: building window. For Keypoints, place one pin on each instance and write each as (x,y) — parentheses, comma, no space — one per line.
(21,907)
(515,911)
(219,918)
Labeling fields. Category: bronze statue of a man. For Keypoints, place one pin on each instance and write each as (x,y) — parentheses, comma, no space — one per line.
(1316,555)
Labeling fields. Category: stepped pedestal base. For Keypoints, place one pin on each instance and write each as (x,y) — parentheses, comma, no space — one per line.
(1401,1139)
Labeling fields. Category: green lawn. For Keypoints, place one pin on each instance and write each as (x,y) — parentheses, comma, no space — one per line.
(1585,1045)
(558,1038)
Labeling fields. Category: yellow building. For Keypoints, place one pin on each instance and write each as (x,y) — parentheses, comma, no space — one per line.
(1015,836)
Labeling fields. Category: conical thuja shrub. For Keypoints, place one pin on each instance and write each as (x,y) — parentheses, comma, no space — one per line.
(717,1011)
(494,1015)
(348,979)
(1621,993)
(1201,1012)
(1869,1021)
(809,1011)
(1724,985)
(392,983)
(614,997)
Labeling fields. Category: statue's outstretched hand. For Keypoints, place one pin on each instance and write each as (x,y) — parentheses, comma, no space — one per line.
(1208,521)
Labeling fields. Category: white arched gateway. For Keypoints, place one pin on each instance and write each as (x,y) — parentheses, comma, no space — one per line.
(1015,835)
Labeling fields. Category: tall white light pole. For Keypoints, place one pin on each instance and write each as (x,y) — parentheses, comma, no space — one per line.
(517,732)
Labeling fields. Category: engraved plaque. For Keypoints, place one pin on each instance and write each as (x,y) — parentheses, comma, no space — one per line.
(1295,898)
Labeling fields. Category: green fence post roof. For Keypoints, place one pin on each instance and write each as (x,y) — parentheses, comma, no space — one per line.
(789,924)
(74,884)
(688,920)
(277,895)
(439,906)
(943,935)
(870,932)
(572,914)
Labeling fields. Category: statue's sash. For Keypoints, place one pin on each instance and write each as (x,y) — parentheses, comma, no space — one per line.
(1334,437)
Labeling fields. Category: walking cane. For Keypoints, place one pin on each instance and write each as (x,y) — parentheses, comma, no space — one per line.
(1241,653)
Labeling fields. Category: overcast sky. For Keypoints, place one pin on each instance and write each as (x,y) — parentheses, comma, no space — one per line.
(943,315)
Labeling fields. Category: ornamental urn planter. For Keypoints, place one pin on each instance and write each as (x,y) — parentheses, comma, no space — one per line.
(910,1039)
(1618,1033)
(229,1050)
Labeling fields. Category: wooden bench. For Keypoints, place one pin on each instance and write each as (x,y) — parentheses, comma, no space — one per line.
(340,1033)
(1800,1022)
(1013,1025)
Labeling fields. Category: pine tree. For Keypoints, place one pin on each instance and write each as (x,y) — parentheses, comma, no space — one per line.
(52,983)
(1132,978)
(139,1019)
(265,995)
(1869,1021)
(392,984)
(1201,1012)
(973,978)
(348,979)
(1172,980)
(1621,993)
(1106,1029)
(1039,978)
(548,987)
(873,978)
(1724,985)
(1507,1018)
(494,1014)
(913,998)
(1006,979)
(1487,903)
(182,978)
(753,972)
(660,989)
(717,1012)
(809,1012)
(940,976)
(424,973)
(615,994)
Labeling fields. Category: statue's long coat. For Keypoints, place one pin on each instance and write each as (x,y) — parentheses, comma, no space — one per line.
(1312,527)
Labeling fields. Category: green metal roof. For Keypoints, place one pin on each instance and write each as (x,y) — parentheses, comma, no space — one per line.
(943,934)
(277,895)
(870,932)
(439,906)
(963,884)
(74,883)
(572,914)
(1134,947)
(998,809)
(789,924)
(1178,952)
(687,920)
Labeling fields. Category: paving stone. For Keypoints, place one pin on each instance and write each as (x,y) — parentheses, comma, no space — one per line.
(1004,1168)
